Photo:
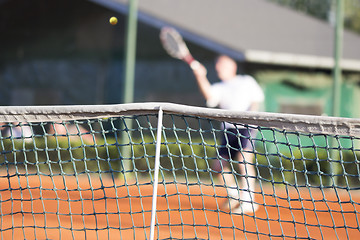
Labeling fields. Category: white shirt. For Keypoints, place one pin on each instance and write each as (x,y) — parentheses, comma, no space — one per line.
(235,94)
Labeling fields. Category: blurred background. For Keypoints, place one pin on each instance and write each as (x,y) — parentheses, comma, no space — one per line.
(66,52)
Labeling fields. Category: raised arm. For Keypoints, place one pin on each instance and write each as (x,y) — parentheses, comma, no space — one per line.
(200,73)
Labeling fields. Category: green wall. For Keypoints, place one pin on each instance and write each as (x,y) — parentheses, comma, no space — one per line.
(308,94)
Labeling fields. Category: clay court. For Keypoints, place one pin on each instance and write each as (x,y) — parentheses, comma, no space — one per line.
(72,208)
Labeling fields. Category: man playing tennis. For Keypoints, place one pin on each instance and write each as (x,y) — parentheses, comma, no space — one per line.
(239,93)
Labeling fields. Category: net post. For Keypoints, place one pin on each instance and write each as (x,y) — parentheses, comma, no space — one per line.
(156,173)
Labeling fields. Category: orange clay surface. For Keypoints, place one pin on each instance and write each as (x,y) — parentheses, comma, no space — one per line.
(194,213)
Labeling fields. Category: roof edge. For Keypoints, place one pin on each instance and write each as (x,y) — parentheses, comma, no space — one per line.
(299,60)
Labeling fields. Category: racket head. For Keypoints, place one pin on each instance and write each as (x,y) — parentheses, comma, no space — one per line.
(173,43)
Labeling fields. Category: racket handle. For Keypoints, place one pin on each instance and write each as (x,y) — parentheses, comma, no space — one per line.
(191,61)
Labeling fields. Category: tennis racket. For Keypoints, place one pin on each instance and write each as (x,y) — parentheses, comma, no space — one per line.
(175,46)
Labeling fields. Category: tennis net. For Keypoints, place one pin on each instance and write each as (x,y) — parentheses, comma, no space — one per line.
(90,172)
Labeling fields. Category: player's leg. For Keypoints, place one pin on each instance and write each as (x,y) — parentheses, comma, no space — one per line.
(229,181)
(247,169)
(224,167)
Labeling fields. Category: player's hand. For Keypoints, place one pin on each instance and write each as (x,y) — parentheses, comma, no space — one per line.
(199,70)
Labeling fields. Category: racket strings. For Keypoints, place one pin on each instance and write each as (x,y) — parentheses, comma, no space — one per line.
(174,44)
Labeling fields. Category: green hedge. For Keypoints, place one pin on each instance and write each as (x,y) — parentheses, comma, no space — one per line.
(179,158)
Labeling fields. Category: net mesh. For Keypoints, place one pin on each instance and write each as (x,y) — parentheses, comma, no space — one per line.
(79,173)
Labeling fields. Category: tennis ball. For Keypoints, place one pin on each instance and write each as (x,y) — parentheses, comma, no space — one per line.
(113,20)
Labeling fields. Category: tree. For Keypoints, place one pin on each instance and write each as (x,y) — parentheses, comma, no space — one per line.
(324,9)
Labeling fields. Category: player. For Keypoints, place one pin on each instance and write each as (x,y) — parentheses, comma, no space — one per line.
(239,93)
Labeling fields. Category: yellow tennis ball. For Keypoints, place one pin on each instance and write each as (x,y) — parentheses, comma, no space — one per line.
(113,21)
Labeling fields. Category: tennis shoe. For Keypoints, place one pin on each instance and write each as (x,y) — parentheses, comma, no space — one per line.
(245,207)
(230,204)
